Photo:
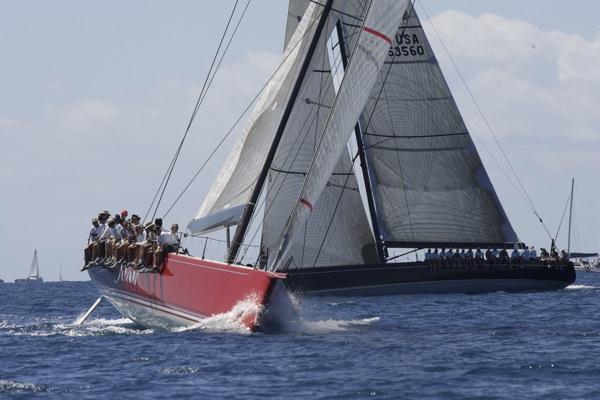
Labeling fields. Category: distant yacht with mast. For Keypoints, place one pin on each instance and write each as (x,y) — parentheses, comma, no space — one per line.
(34,271)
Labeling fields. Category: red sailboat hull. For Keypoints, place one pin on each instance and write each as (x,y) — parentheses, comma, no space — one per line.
(187,291)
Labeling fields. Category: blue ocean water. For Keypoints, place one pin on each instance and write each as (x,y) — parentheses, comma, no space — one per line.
(494,346)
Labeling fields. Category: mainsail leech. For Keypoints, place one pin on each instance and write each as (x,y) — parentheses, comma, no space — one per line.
(429,182)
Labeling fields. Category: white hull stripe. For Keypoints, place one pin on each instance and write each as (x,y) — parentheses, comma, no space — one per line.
(119,294)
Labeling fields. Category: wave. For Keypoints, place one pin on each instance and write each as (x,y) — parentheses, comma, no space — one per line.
(94,327)
(282,316)
(580,287)
(233,321)
(19,387)
(329,325)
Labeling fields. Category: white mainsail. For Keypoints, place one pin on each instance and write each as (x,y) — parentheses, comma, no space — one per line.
(429,183)
(34,270)
(337,232)
(229,194)
(372,46)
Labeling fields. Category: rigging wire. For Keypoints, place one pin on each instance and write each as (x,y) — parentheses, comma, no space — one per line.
(314,122)
(487,123)
(563,217)
(165,181)
(329,84)
(246,109)
(366,129)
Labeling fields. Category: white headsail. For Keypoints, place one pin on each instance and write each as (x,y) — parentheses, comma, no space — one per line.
(229,194)
(337,232)
(34,270)
(382,20)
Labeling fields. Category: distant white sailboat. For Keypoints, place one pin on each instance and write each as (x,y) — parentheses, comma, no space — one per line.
(34,271)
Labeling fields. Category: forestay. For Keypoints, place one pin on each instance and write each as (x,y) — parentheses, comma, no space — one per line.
(337,232)
(366,61)
(229,194)
(429,183)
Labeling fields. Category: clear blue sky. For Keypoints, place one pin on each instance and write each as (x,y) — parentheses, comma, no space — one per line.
(95,95)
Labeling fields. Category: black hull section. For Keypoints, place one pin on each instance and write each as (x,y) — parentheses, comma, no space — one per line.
(417,278)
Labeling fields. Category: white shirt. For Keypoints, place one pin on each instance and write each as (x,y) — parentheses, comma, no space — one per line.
(168,238)
(140,238)
(116,233)
(105,232)
(95,232)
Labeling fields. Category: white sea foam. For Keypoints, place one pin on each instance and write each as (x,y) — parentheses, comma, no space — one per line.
(329,325)
(230,321)
(94,327)
(183,370)
(18,387)
(580,287)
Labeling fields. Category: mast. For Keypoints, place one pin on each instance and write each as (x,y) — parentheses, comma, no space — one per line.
(240,232)
(570,218)
(34,266)
(363,159)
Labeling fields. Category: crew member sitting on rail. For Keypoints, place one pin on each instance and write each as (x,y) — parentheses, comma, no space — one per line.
(134,248)
(168,242)
(436,257)
(170,239)
(155,257)
(92,237)
(503,255)
(470,256)
(533,253)
(99,246)
(144,252)
(95,231)
(112,242)
(127,236)
(526,254)
(443,258)
(515,257)
(489,256)
(456,260)
(479,257)
(428,257)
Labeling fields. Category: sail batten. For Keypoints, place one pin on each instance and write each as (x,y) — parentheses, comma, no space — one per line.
(337,230)
(382,17)
(429,182)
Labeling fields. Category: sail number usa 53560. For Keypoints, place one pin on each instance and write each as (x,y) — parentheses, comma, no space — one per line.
(407,45)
